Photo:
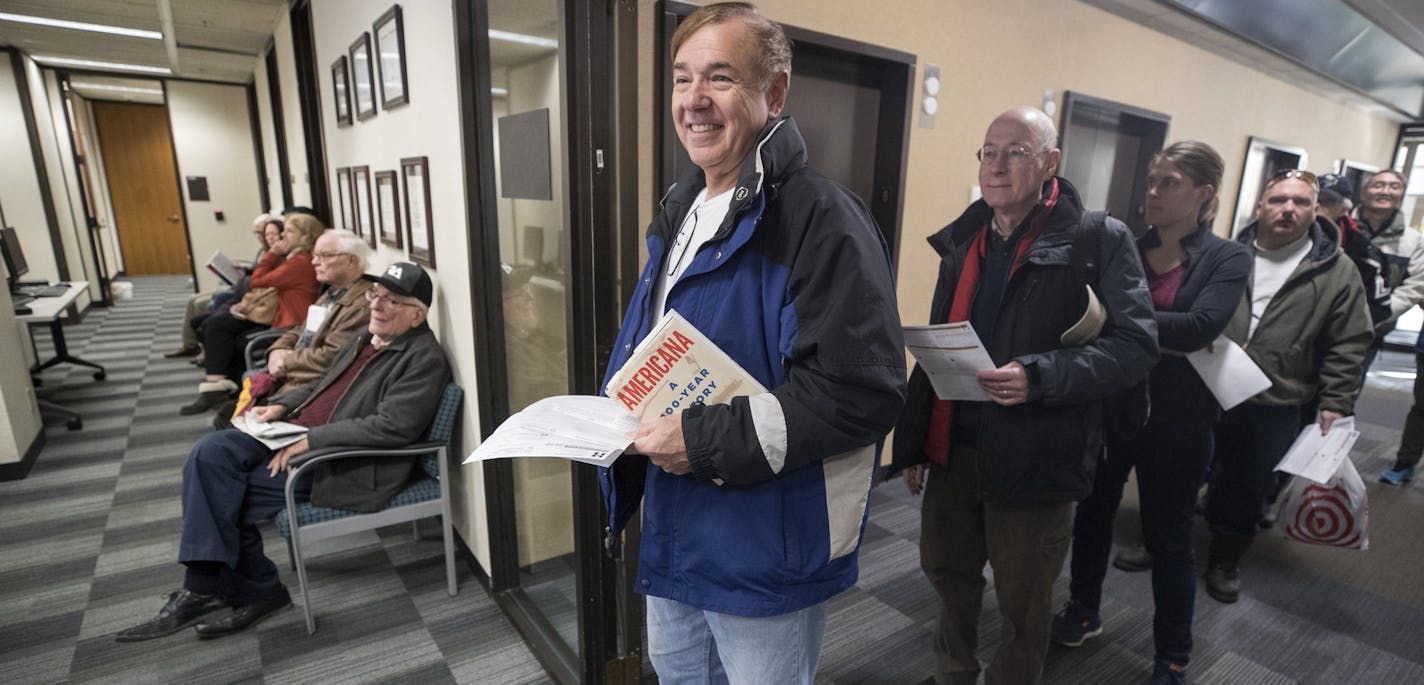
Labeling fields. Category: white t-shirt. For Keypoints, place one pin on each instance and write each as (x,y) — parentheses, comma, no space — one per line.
(701,222)
(1273,267)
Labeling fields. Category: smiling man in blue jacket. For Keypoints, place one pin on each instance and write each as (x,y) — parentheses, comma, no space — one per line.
(753,510)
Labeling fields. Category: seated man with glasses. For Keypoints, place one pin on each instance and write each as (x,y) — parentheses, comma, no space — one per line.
(303,354)
(1303,320)
(1004,471)
(381,391)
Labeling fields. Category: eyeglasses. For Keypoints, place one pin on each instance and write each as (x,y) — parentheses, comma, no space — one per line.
(328,255)
(387,300)
(1013,154)
(1301,174)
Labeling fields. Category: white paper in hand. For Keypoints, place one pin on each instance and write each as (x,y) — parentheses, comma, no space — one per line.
(1317,457)
(1228,372)
(952,356)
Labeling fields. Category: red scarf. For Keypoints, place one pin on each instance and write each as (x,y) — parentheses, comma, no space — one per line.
(937,442)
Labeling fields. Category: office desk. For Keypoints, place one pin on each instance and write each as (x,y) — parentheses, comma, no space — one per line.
(49,311)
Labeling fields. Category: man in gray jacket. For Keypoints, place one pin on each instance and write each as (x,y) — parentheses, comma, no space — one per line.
(1303,321)
(381,391)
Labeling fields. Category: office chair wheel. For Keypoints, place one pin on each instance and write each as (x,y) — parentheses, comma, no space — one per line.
(99,375)
(74,424)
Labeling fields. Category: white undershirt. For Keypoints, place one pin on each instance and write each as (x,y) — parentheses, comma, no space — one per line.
(1273,267)
(697,227)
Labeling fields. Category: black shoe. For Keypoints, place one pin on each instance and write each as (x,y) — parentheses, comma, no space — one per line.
(222,420)
(183,609)
(1133,559)
(190,351)
(1223,582)
(242,617)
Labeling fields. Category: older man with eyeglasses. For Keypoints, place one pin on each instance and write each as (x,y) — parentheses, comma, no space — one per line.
(381,391)
(304,353)
(1004,471)
(1304,321)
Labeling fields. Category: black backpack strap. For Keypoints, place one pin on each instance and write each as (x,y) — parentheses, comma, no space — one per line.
(1088,246)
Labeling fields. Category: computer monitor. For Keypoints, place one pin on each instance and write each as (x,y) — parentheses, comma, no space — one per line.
(15,265)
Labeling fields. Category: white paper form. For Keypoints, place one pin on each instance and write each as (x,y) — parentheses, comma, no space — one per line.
(952,355)
(274,434)
(1228,372)
(575,427)
(1317,456)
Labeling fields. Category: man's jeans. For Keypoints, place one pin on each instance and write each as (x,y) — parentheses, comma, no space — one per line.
(689,646)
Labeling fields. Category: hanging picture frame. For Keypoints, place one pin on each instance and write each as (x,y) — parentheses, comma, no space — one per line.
(343,197)
(388,223)
(420,232)
(390,58)
(363,86)
(341,91)
(361,185)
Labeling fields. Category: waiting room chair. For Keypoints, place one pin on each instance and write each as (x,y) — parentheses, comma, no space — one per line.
(428,495)
(256,350)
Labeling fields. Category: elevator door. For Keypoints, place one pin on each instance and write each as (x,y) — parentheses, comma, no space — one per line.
(1106,149)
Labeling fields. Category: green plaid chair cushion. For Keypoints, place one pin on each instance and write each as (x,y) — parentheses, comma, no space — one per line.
(422,490)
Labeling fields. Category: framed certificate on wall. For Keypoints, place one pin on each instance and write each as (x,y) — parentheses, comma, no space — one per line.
(388,223)
(415,176)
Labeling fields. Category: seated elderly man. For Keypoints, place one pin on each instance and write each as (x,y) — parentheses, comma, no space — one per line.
(376,393)
(303,354)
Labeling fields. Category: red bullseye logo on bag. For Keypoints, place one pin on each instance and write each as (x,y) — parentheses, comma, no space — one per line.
(1325,517)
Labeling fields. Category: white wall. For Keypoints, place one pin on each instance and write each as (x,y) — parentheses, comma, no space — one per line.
(429,126)
(54,159)
(212,136)
(19,184)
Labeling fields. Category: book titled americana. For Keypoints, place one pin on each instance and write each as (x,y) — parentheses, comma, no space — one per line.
(676,367)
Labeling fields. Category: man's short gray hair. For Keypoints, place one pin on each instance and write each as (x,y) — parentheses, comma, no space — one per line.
(352,244)
(773,47)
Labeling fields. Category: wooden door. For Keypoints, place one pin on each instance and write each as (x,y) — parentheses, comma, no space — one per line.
(143,187)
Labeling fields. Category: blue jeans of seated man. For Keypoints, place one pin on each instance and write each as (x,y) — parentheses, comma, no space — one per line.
(690,646)
(226,493)
(1171,458)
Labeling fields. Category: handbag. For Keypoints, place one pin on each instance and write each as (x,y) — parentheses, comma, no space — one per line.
(259,305)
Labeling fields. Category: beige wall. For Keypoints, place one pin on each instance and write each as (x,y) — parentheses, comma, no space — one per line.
(212,137)
(1005,53)
(429,126)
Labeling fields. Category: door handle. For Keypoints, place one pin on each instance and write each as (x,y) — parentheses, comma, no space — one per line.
(173,219)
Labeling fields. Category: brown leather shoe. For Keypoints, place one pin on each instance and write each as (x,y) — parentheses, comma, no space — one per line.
(1223,582)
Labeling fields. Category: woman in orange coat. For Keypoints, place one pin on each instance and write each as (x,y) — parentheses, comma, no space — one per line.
(287,266)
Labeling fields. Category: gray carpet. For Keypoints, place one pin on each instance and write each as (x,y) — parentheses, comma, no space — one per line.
(87,544)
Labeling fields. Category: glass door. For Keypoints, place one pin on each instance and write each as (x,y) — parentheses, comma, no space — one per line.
(534,75)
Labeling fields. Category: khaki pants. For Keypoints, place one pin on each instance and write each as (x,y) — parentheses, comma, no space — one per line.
(197,304)
(1025,545)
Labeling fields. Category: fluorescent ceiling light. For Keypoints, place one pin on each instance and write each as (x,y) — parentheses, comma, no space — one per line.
(81,26)
(118,89)
(499,92)
(65,61)
(536,41)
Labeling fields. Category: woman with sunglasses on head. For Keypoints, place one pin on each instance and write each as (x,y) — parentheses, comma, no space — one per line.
(1196,279)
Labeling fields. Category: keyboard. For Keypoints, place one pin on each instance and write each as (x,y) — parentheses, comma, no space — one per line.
(55,290)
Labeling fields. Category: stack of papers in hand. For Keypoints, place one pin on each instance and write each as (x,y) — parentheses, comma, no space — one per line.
(575,427)
(223,268)
(1317,456)
(273,434)
(675,367)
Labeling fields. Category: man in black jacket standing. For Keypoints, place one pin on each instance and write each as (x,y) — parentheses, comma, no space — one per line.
(1005,472)
(381,391)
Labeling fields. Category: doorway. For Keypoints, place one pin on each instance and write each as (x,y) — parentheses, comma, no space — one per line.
(143,187)
(1107,147)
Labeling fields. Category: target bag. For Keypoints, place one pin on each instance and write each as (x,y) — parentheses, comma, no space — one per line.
(1335,514)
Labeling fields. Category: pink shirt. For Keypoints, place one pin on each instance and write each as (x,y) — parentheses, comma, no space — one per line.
(1164,286)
